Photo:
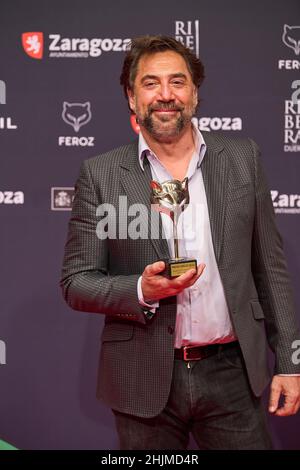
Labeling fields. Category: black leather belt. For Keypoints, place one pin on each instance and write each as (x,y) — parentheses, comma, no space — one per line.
(196,353)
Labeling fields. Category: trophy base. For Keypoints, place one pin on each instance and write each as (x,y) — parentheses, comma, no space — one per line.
(177,266)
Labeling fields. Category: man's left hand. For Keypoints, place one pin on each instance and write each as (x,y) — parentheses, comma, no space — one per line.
(289,387)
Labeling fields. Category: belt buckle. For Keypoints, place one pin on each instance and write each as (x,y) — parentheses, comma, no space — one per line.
(185,354)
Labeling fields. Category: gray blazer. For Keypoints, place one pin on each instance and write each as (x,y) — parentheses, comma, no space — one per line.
(101,276)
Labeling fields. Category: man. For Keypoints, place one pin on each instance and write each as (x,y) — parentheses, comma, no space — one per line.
(186,354)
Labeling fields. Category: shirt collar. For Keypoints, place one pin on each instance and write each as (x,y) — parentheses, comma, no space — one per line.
(200,147)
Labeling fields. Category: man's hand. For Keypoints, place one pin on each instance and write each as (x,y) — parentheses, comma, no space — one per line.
(155,286)
(289,387)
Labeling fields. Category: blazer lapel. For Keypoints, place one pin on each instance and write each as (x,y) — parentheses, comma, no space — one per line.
(136,184)
(214,170)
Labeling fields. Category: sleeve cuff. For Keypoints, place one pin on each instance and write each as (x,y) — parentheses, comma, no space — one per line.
(288,375)
(153,306)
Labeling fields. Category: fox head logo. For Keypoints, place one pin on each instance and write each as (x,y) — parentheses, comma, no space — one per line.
(291,37)
(170,197)
(76,114)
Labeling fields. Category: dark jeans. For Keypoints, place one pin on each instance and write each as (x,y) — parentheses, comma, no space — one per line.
(212,400)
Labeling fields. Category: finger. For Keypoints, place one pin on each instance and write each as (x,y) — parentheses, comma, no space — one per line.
(286,410)
(154,268)
(196,276)
(183,279)
(200,269)
(290,406)
(187,279)
(198,273)
(274,398)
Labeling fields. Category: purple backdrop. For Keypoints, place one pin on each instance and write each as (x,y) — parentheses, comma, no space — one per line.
(48,353)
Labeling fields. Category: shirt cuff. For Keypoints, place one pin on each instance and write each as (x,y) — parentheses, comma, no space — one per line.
(289,375)
(153,305)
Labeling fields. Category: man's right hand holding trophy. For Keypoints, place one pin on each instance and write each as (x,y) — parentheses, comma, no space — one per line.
(169,277)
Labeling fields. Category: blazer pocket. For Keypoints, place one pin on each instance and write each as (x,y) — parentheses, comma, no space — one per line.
(240,191)
(257,310)
(117,332)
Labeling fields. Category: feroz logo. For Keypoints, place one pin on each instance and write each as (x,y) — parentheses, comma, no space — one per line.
(2,92)
(33,44)
(61,199)
(187,32)
(76,115)
(291,37)
(2,352)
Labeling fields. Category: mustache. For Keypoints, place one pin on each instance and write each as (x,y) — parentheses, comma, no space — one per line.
(165,106)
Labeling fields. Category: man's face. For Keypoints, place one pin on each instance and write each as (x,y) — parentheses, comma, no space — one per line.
(164,97)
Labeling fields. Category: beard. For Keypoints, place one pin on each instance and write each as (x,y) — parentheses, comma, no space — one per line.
(164,128)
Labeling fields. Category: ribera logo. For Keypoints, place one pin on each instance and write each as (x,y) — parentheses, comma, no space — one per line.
(62,198)
(292,120)
(66,47)
(11,197)
(76,115)
(2,92)
(291,39)
(285,203)
(187,32)
(33,44)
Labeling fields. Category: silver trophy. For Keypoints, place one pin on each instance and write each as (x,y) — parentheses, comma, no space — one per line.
(171,198)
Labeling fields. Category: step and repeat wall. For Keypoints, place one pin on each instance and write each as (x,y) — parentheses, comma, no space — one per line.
(60,103)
